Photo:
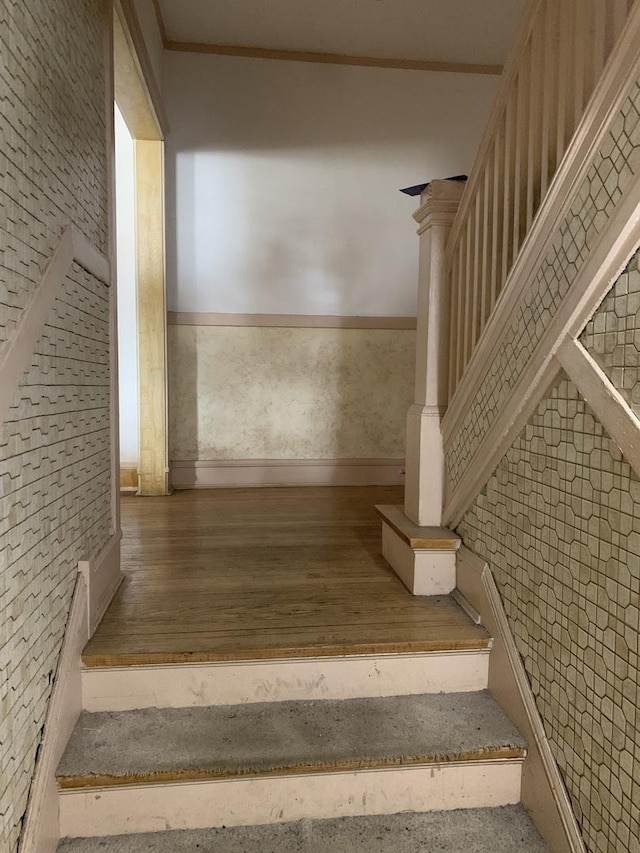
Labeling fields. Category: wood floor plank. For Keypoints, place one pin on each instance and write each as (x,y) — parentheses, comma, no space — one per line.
(264,573)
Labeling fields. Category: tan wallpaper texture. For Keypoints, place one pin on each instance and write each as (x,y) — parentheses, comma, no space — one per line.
(54,446)
(265,393)
(559,523)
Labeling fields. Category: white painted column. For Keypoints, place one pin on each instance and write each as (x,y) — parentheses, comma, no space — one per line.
(424,485)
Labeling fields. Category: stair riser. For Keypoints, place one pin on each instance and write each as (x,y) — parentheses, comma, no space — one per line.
(187,685)
(276,799)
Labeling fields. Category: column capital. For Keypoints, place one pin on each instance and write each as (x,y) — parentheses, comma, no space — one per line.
(439,203)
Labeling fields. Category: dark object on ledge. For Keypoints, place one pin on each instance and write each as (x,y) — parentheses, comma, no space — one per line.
(420,187)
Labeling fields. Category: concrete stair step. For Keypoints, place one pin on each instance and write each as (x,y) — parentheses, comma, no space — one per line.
(505,829)
(260,763)
(178,744)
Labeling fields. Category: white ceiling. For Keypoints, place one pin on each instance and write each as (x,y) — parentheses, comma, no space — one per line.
(470,31)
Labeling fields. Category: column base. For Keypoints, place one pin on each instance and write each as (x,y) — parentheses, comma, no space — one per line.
(424,558)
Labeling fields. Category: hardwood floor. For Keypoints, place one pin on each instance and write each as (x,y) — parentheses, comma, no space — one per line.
(232,574)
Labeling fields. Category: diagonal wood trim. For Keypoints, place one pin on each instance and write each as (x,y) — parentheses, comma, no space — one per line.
(137,90)
(16,353)
(41,831)
(543,792)
(249,52)
(294,321)
(621,73)
(608,404)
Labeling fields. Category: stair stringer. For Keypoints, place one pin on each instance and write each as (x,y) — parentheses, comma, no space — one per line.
(543,793)
(96,584)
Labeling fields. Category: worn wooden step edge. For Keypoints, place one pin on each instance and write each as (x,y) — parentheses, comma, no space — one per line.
(418,538)
(498,753)
(478,642)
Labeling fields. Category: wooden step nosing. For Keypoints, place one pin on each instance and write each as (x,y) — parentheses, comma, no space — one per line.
(284,661)
(104,782)
(427,539)
(114,659)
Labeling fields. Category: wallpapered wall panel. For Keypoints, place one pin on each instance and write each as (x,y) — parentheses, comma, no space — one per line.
(55,444)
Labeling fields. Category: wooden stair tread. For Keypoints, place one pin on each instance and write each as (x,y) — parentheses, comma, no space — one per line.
(420,538)
(423,625)
(169,744)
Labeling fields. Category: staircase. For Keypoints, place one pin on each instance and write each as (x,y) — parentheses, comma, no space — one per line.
(377,752)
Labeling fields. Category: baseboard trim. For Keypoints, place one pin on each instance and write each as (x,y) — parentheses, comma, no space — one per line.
(543,792)
(42,824)
(102,577)
(286,472)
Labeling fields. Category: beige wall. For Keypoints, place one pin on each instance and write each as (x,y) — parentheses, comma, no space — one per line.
(55,444)
(278,393)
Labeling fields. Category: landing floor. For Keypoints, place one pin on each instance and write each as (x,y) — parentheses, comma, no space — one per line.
(236,574)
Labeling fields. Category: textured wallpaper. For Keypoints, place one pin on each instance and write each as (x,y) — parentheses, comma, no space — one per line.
(559,523)
(55,445)
(265,393)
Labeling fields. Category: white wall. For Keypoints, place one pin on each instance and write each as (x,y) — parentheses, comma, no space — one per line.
(283,178)
(127,307)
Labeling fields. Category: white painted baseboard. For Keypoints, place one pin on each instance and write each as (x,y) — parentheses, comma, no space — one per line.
(41,831)
(102,577)
(126,809)
(125,688)
(543,792)
(286,472)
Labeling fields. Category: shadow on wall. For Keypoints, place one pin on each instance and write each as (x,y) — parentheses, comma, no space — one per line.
(283,178)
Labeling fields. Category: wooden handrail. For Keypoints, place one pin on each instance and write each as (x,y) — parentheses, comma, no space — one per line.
(556,62)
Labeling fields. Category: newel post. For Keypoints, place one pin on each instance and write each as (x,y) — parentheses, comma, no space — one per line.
(421,553)
(424,484)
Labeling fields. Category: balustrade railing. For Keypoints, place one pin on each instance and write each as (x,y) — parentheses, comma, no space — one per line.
(552,71)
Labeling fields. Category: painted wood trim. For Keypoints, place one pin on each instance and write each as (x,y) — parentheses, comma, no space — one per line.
(294,321)
(141,63)
(102,577)
(42,826)
(609,257)
(248,52)
(160,20)
(127,688)
(153,467)
(114,401)
(608,404)
(498,109)
(286,472)
(16,353)
(620,74)
(543,792)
